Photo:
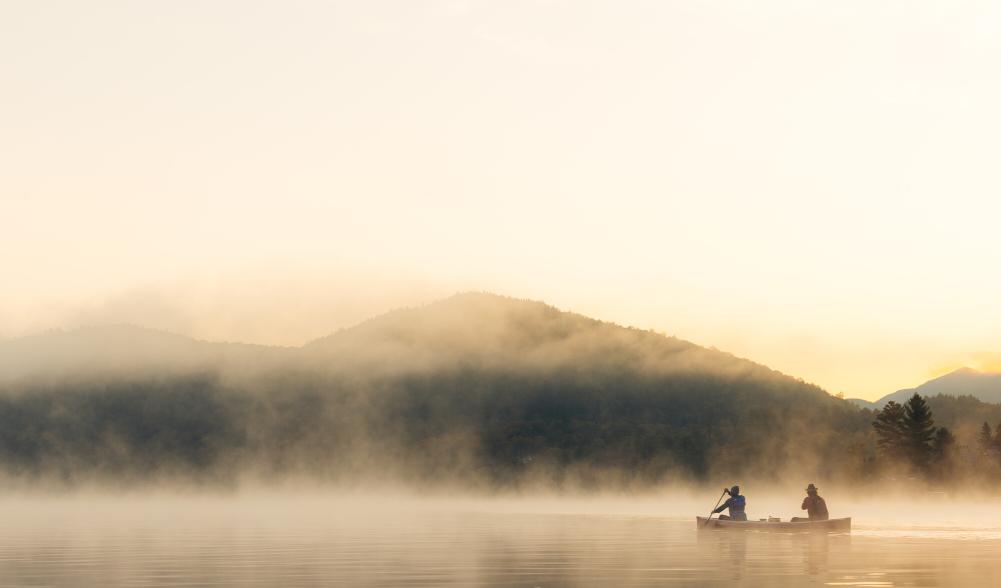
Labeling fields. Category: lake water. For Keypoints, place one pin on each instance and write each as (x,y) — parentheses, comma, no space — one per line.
(390,542)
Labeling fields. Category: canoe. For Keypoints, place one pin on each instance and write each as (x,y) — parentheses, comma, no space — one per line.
(828,526)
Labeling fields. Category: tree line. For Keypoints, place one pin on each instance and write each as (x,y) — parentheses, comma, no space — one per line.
(494,428)
(490,428)
(907,438)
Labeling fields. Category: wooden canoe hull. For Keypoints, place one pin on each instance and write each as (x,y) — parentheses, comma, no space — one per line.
(828,526)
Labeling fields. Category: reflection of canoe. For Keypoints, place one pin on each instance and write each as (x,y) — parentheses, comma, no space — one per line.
(829,526)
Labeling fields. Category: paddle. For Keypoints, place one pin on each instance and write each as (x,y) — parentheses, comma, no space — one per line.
(713,511)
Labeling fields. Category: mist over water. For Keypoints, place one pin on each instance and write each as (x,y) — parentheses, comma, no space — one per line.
(637,252)
(396,539)
(479,440)
(476,391)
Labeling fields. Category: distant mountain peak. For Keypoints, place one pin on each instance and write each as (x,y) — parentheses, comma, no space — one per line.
(122,349)
(503,333)
(469,330)
(466,315)
(961,371)
(964,381)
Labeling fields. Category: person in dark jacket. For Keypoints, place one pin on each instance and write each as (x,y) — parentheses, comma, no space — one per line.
(735,503)
(814,505)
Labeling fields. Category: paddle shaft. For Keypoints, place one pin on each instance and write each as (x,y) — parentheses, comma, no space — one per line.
(713,511)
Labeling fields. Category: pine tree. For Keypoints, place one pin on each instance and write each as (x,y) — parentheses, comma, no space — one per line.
(919,430)
(942,451)
(985,440)
(995,447)
(944,442)
(889,425)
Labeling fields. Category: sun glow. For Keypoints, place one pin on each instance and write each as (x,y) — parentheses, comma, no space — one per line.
(983,362)
(987,362)
(673,166)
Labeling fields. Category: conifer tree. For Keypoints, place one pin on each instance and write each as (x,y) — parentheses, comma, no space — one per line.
(985,440)
(942,450)
(889,425)
(919,431)
(944,441)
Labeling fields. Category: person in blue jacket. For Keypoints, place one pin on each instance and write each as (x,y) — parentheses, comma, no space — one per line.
(735,503)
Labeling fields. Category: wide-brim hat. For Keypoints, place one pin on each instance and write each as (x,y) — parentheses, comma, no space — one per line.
(811,487)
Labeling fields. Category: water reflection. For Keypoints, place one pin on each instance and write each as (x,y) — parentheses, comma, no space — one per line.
(334,544)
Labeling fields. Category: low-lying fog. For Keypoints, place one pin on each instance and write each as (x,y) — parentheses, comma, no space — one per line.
(889,510)
(396,538)
(476,441)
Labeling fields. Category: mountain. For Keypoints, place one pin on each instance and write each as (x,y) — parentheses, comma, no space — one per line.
(985,387)
(477,389)
(500,333)
(123,350)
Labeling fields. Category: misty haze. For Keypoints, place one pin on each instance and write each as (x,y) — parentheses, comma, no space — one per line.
(430,434)
(529,293)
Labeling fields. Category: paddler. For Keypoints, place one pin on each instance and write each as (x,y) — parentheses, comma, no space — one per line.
(735,503)
(814,505)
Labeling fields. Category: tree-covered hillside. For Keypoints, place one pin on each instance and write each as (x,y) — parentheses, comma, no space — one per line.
(476,389)
(983,386)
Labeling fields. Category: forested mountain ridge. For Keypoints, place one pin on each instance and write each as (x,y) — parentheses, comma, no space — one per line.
(473,328)
(475,389)
(487,330)
(126,350)
(983,386)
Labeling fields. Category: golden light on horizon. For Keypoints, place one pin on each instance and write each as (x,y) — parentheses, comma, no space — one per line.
(751,182)
(984,362)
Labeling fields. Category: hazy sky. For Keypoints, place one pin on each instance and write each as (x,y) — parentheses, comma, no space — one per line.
(812,185)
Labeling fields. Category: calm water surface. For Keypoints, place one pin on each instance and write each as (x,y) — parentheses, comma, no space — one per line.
(341,543)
